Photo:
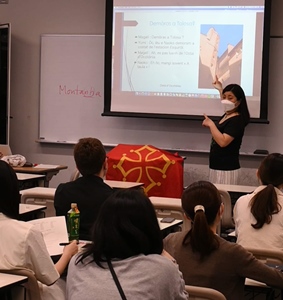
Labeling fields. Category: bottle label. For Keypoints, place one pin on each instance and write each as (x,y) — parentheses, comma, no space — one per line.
(73,226)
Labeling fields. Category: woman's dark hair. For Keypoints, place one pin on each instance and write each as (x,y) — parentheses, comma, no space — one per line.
(201,237)
(264,204)
(9,189)
(242,109)
(126,226)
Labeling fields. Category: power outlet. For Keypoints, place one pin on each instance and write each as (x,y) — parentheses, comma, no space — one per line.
(4,1)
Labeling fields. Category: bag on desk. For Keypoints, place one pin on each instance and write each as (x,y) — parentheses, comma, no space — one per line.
(15,160)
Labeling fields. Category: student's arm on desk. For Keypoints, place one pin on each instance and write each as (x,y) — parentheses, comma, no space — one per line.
(248,266)
(68,252)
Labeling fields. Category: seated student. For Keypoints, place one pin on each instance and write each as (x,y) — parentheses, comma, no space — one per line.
(22,246)
(127,238)
(259,216)
(88,191)
(207,260)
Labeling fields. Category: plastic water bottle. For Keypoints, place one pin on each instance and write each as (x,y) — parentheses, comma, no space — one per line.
(73,222)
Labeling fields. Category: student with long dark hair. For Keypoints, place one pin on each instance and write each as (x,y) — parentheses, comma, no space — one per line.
(127,243)
(22,246)
(227,134)
(259,216)
(207,260)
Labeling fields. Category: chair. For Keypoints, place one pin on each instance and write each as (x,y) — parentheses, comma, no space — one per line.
(203,293)
(31,287)
(5,149)
(267,256)
(227,221)
(40,196)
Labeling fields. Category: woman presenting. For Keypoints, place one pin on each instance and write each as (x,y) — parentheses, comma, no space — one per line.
(227,134)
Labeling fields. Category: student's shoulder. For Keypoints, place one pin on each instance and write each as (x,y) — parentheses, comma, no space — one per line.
(231,249)
(157,259)
(22,229)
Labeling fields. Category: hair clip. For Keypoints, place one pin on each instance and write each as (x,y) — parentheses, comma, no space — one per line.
(199,207)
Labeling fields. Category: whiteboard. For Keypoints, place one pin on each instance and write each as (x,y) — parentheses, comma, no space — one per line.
(72,99)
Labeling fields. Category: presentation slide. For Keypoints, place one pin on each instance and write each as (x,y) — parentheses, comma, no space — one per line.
(165,57)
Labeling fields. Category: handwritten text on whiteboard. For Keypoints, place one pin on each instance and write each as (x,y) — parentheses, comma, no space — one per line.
(87,93)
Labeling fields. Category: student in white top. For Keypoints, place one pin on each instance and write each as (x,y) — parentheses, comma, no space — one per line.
(259,216)
(22,246)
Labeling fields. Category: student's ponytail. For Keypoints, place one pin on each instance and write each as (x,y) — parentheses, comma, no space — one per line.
(201,202)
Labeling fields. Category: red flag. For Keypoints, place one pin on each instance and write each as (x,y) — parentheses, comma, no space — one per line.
(159,170)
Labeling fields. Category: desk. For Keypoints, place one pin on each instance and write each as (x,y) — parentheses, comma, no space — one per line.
(235,191)
(254,288)
(27,180)
(123,184)
(8,281)
(47,170)
(167,228)
(244,189)
(30,211)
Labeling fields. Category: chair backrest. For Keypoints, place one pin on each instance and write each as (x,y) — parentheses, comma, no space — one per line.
(32,287)
(5,149)
(267,255)
(203,293)
(227,221)
(40,196)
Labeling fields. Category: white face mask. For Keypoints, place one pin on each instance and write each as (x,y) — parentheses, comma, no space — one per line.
(227,105)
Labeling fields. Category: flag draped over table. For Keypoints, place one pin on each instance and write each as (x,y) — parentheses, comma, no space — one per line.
(159,170)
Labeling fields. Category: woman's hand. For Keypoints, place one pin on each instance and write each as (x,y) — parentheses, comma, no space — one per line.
(207,122)
(71,249)
(217,84)
(68,252)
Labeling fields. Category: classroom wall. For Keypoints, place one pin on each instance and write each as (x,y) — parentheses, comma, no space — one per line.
(31,18)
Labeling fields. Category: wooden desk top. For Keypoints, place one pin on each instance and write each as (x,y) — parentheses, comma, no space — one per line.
(39,170)
(123,184)
(8,280)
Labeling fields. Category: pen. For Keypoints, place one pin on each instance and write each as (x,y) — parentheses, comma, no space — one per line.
(65,244)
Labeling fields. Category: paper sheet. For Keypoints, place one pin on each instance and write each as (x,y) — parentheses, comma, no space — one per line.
(54,231)
(45,166)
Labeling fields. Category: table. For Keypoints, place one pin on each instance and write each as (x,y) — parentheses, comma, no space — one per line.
(7,282)
(254,288)
(244,189)
(235,191)
(47,170)
(167,228)
(123,184)
(27,180)
(30,211)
